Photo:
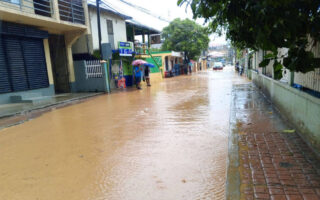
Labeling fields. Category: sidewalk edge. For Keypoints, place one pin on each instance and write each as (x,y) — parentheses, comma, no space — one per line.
(233,174)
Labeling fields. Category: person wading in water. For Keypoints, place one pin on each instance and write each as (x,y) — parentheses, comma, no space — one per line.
(147,75)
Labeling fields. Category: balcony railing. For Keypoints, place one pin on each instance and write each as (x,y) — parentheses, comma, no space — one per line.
(39,7)
(71,11)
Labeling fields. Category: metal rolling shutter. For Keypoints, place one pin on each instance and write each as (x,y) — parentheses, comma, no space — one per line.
(4,77)
(35,63)
(16,63)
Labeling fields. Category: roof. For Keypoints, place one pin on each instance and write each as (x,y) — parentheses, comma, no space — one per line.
(141,18)
(139,28)
(107,7)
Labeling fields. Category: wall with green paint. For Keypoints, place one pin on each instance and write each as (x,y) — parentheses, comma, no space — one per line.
(156,61)
(127,68)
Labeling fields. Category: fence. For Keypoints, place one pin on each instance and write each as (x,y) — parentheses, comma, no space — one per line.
(309,80)
(93,69)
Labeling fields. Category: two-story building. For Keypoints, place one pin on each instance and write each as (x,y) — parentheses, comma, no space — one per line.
(36,38)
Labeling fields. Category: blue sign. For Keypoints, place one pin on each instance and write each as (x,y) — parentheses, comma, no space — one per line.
(125,48)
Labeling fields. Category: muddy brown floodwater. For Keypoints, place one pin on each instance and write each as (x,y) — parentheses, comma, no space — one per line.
(167,142)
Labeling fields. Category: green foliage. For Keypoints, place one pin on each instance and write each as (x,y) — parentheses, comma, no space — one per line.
(186,36)
(96,54)
(267,25)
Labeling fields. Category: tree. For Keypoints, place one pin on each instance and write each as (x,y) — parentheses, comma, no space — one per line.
(186,36)
(267,25)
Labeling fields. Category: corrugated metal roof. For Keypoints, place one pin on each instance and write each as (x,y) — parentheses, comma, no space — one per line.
(105,6)
(139,18)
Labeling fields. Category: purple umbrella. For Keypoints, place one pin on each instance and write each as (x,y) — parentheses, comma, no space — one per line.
(138,62)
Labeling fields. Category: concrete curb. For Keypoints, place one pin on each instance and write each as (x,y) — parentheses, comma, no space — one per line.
(233,174)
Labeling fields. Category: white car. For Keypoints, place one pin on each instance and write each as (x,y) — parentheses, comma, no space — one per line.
(217,66)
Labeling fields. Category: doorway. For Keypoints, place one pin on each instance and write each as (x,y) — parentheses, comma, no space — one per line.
(59,62)
(110,33)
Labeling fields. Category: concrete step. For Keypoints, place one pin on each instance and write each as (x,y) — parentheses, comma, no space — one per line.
(37,100)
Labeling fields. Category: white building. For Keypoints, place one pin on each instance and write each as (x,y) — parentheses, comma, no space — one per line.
(113,29)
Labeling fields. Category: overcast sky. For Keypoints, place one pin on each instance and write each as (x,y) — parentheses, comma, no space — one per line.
(168,9)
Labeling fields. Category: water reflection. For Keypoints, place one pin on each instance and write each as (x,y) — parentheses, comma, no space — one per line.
(164,142)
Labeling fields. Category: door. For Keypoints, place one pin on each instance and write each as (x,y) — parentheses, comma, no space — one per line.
(22,64)
(110,33)
(59,62)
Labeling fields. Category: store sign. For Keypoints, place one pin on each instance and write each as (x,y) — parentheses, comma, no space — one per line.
(125,48)
(176,54)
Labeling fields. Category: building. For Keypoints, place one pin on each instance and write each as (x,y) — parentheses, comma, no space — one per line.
(36,38)
(123,34)
(169,62)
(113,28)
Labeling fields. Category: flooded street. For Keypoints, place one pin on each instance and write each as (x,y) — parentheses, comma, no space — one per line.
(167,142)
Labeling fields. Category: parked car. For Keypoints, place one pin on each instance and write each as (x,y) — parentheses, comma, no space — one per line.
(218,66)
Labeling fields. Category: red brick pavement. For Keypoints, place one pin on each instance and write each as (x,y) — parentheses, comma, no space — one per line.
(278,166)
(273,164)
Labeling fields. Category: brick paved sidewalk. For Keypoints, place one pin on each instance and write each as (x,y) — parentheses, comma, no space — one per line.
(272,164)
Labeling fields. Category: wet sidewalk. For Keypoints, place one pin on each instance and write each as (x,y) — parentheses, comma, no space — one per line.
(267,158)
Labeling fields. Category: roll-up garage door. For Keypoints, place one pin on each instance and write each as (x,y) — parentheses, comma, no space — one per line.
(35,63)
(4,76)
(24,64)
(16,63)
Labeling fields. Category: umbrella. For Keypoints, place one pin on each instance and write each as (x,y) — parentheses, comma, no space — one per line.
(149,65)
(138,62)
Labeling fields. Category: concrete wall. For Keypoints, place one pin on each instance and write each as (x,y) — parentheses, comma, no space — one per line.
(82,84)
(302,109)
(119,28)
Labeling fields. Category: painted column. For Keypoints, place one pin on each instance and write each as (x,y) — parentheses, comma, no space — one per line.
(86,16)
(70,39)
(72,79)
(55,9)
(149,42)
(48,61)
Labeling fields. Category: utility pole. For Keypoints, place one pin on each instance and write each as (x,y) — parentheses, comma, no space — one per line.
(99,26)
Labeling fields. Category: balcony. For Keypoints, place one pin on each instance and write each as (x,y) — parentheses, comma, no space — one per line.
(71,11)
(68,10)
(39,7)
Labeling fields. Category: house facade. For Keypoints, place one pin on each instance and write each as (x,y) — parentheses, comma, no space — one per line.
(36,39)
(113,29)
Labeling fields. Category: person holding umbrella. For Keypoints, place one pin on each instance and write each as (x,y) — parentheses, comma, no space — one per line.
(138,72)
(137,76)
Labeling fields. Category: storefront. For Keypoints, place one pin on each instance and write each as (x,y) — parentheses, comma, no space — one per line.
(23,64)
(121,71)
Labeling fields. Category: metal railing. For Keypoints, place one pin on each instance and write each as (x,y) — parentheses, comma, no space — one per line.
(71,11)
(39,7)
(310,80)
(93,69)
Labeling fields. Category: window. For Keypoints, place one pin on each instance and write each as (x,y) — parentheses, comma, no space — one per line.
(110,27)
